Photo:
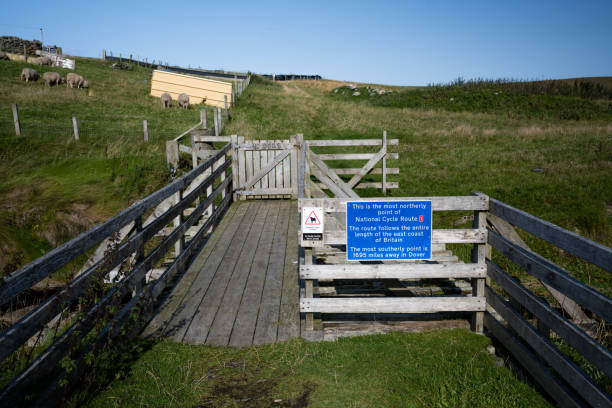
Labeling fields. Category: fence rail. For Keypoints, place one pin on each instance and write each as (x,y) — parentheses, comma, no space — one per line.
(206,187)
(567,383)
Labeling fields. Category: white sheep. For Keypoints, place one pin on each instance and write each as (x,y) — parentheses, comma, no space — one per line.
(29,74)
(166,100)
(52,78)
(183,101)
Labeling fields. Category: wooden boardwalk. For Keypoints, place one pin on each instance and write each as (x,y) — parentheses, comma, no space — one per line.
(242,289)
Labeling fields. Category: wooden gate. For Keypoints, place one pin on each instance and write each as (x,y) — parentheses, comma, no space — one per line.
(266,168)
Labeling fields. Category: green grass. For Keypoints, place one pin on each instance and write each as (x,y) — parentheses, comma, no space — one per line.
(438,369)
(53,187)
(544,99)
(455,153)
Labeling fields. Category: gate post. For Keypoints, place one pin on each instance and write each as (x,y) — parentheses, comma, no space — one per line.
(479,252)
(235,181)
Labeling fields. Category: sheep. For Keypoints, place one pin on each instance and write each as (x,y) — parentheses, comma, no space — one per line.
(183,101)
(74,80)
(29,74)
(166,100)
(52,78)
(42,61)
(85,84)
(3,56)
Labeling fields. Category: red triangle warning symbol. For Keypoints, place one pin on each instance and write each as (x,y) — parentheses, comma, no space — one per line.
(312,219)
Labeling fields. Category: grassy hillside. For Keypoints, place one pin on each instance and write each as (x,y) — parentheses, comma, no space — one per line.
(557,169)
(52,187)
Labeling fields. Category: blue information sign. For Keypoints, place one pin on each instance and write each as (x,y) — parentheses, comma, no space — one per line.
(379,230)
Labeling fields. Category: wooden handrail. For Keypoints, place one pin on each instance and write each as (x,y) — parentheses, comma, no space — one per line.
(42,267)
(553,275)
(575,244)
(47,362)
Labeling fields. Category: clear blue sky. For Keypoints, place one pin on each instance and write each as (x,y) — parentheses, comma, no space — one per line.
(390,42)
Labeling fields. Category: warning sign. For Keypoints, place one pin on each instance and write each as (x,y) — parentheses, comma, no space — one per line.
(312,219)
(312,225)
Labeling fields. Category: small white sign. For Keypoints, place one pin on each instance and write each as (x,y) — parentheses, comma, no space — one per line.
(312,224)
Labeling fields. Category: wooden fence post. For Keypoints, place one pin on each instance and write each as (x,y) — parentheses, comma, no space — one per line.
(103,54)
(384,164)
(225,102)
(203,118)
(172,153)
(75,125)
(235,181)
(145,127)
(25,54)
(120,58)
(478,256)
(216,118)
(16,120)
(220,121)
(296,143)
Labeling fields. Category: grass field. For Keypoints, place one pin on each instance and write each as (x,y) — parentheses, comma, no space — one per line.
(440,369)
(51,187)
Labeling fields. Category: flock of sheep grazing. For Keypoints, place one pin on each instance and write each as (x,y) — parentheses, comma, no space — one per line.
(183,100)
(53,78)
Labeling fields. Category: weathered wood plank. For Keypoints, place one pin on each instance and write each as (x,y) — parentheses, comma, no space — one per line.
(367,167)
(392,305)
(570,372)
(575,244)
(266,145)
(183,316)
(354,156)
(246,317)
(392,271)
(272,173)
(159,323)
(449,203)
(263,158)
(256,165)
(574,336)
(222,325)
(199,329)
(289,326)
(438,236)
(329,184)
(279,173)
(265,192)
(267,169)
(268,318)
(541,374)
(506,230)
(355,170)
(352,142)
(369,184)
(211,139)
(317,161)
(554,276)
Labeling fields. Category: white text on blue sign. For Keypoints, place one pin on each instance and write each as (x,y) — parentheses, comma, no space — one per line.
(393,230)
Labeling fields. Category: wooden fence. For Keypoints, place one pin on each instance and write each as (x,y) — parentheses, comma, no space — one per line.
(334,210)
(196,200)
(511,320)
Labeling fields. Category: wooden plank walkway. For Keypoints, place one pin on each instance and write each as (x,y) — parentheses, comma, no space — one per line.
(242,289)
